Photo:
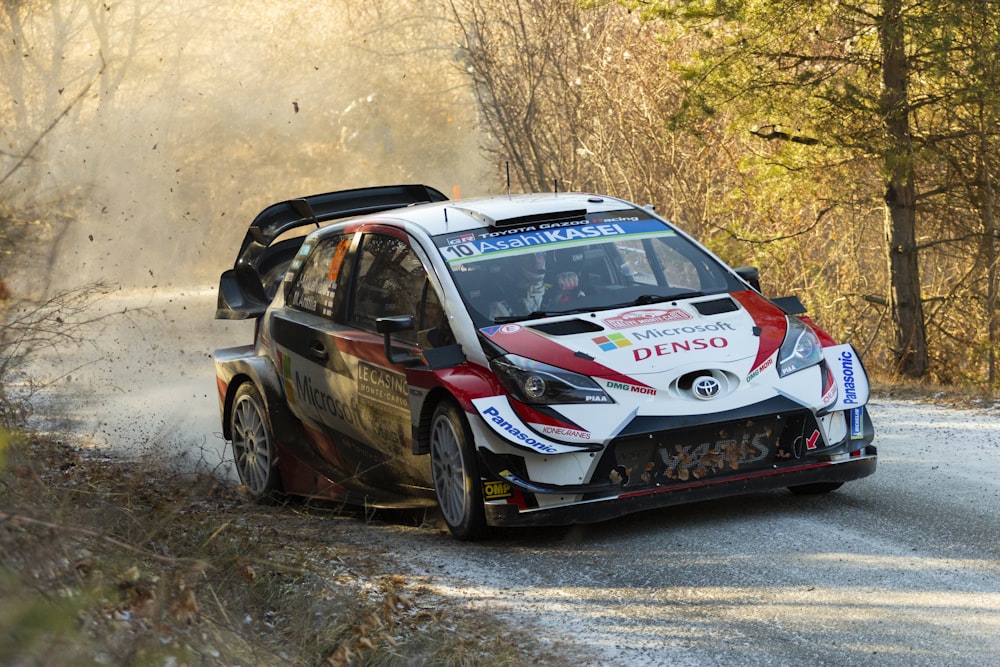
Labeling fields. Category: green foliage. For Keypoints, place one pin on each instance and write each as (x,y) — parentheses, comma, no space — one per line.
(806,81)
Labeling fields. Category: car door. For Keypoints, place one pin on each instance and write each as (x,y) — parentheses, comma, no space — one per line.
(338,382)
(305,336)
(389,279)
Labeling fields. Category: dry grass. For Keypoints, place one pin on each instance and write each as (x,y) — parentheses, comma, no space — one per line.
(112,561)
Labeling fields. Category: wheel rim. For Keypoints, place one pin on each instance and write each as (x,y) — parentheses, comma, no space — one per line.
(448,468)
(251,445)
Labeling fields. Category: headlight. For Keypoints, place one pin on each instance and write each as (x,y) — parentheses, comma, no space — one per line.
(534,382)
(800,349)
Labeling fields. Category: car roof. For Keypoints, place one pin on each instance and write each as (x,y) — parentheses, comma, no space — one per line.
(416,208)
(504,211)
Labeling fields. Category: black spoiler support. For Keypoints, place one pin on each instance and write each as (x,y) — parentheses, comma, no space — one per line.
(242,294)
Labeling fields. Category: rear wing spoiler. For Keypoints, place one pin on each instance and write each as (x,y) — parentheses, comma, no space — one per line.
(242,292)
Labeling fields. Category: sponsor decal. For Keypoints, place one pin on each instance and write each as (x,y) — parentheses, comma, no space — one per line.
(321,400)
(761,368)
(462,238)
(496,490)
(636,389)
(382,386)
(857,416)
(516,231)
(673,347)
(510,240)
(830,394)
(524,437)
(849,376)
(812,439)
(684,462)
(612,342)
(680,331)
(501,329)
(548,429)
(524,484)
(454,249)
(647,317)
(622,218)
(499,416)
(847,372)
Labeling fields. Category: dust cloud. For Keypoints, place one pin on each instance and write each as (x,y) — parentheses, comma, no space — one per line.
(144,137)
(165,127)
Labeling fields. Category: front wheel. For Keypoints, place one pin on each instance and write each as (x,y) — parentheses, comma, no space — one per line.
(253,446)
(815,488)
(456,475)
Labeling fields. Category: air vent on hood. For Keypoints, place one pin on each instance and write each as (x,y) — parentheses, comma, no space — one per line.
(716,306)
(567,327)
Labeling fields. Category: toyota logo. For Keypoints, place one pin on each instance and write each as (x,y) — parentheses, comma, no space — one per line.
(707,387)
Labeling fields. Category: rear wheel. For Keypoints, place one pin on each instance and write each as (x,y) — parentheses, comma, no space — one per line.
(253,447)
(456,475)
(815,488)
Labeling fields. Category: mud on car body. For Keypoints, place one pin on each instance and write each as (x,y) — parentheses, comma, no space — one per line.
(522,360)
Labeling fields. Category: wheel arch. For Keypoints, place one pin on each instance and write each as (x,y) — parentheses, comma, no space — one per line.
(261,373)
(460,387)
(422,432)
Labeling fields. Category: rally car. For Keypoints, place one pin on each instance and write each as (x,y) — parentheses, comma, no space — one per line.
(535,359)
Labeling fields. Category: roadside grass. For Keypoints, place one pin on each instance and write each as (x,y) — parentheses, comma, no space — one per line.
(120,562)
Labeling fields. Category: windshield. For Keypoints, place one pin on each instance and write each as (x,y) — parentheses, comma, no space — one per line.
(606,261)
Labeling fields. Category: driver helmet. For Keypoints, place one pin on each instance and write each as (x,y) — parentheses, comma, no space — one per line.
(531,268)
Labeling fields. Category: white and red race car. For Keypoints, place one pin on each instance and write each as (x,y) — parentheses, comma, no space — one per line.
(520,360)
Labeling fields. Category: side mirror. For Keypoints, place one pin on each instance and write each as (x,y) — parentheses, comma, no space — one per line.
(390,325)
(241,295)
(790,304)
(751,275)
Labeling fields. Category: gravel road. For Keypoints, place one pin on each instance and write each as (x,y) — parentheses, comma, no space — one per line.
(901,568)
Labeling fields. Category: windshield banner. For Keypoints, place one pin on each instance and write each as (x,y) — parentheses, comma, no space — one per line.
(475,245)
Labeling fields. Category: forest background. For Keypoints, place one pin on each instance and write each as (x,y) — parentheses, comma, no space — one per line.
(848,149)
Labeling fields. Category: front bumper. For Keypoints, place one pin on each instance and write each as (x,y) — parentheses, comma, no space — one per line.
(669,461)
(859,464)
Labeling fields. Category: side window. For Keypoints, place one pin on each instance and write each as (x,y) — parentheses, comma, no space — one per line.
(392,281)
(687,267)
(680,271)
(316,287)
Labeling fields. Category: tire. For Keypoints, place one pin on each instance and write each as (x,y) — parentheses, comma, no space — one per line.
(815,488)
(253,445)
(457,482)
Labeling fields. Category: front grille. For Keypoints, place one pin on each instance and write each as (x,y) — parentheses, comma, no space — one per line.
(687,455)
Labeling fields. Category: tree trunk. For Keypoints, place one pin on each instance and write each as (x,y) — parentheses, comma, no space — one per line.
(989,252)
(900,219)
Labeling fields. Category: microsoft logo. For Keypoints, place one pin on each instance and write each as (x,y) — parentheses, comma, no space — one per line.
(612,342)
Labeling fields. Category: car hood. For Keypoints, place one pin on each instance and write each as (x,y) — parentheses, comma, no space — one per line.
(650,360)
(652,346)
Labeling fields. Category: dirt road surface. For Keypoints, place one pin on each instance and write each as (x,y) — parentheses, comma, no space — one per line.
(901,568)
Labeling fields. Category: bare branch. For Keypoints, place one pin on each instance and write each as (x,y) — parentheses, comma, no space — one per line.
(772,132)
(55,121)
